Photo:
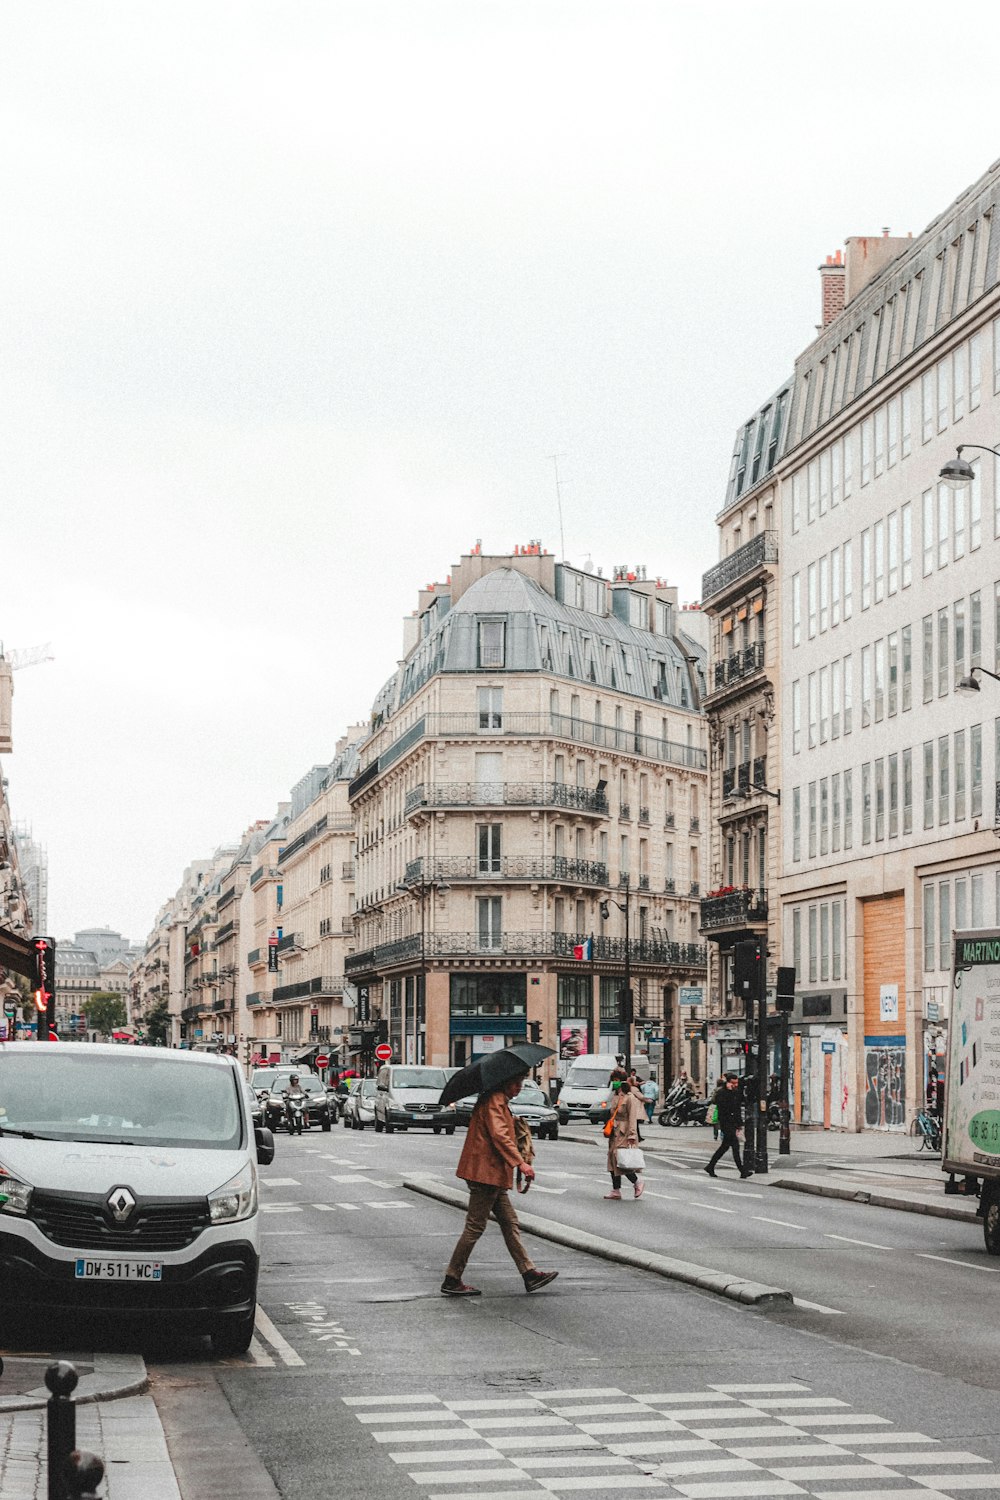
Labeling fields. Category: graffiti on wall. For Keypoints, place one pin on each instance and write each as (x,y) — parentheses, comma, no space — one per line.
(885,1074)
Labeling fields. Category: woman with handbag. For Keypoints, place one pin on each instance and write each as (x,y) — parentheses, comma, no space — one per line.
(623,1135)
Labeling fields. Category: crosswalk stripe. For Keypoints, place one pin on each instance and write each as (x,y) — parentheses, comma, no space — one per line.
(477,1476)
(422,1400)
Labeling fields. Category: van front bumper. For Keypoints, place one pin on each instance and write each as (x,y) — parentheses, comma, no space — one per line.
(221,1281)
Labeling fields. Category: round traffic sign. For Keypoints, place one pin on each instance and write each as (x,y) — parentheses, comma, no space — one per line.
(383,1052)
(322,1062)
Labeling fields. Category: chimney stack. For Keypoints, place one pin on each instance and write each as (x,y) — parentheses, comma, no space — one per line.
(833,280)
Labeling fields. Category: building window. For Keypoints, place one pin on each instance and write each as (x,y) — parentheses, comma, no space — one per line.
(866,569)
(835,586)
(893,796)
(866,803)
(944,527)
(848,581)
(930,952)
(812,820)
(878,544)
(976,771)
(848,693)
(959,775)
(848,809)
(813,945)
(811,599)
(907,791)
(835,699)
(928,783)
(489,930)
(892,677)
(824,815)
(944,925)
(893,531)
(927,501)
(944,791)
(488,848)
(879,658)
(942,634)
(796,832)
(906,544)
(928,651)
(796,717)
(492,643)
(866,686)
(490,704)
(975,630)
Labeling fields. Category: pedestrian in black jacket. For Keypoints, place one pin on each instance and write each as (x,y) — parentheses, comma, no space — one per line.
(727,1102)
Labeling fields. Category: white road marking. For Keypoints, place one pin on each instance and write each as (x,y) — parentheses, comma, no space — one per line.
(719,1413)
(607,1409)
(399,1435)
(715,1207)
(836,1471)
(833,1419)
(949,1261)
(463,1476)
(927,1460)
(490,1495)
(324,1208)
(776,1401)
(670,1197)
(654,1424)
(703,1396)
(878,1495)
(568,1461)
(525,1404)
(959,1481)
(497,1424)
(270,1182)
(354,1208)
(436,1414)
(539,1189)
(735,1192)
(259,1355)
(858,1440)
(422,1400)
(278,1342)
(585,1395)
(866,1244)
(782,1223)
(746,1488)
(445,1456)
(684,1466)
(833,1312)
(727,1433)
(544,1440)
(606,1482)
(281,1208)
(389,1203)
(793,1450)
(767,1386)
(350,1177)
(662,1445)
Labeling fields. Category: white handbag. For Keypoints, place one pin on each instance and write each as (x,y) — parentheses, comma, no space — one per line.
(631,1159)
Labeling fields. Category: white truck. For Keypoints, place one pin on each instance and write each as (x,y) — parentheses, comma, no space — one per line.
(971,1144)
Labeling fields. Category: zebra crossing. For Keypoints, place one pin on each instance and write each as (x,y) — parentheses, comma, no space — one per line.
(724,1442)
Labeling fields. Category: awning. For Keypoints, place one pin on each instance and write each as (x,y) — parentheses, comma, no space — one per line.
(308,1056)
(16,953)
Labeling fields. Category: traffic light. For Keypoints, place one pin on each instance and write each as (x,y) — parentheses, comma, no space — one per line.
(535,1030)
(43,953)
(381,1031)
(785,991)
(703,1033)
(748,967)
(625,998)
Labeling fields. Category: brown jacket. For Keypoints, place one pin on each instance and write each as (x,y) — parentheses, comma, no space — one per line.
(490,1152)
(626,1127)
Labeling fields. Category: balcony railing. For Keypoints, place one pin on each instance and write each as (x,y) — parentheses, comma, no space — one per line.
(253,957)
(644,815)
(347,870)
(656,952)
(528,726)
(738,665)
(289,941)
(506,794)
(734,908)
(305,988)
(624,812)
(460,867)
(669,820)
(760,549)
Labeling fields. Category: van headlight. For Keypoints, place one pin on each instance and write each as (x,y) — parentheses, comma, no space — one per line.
(236,1199)
(15,1195)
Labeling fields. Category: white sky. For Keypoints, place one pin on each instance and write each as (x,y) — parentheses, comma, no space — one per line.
(300,298)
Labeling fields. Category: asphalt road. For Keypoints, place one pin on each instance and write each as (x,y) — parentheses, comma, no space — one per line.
(363,1378)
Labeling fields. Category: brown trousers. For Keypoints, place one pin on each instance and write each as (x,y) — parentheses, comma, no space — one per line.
(485,1199)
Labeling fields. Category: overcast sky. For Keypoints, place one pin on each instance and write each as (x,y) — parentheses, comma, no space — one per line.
(300,299)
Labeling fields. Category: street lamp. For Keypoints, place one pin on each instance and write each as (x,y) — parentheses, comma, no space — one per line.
(742,793)
(420,887)
(627,1008)
(957,473)
(969,685)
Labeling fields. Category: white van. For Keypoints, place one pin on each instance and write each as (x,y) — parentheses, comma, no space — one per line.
(587,1082)
(128,1187)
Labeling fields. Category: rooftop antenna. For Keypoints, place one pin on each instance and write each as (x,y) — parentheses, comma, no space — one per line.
(559,484)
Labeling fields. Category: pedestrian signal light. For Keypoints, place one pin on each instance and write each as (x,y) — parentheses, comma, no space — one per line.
(535,1030)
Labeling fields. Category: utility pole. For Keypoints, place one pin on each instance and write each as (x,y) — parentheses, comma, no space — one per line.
(763,1071)
(627,1005)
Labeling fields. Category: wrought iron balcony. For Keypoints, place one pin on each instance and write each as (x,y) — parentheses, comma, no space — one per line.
(558,868)
(734,908)
(327,986)
(290,941)
(740,564)
(737,666)
(624,812)
(644,815)
(658,953)
(558,794)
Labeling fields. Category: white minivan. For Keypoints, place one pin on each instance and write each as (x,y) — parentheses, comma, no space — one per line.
(128,1187)
(587,1082)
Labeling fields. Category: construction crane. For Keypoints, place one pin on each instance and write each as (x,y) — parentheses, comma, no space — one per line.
(28,656)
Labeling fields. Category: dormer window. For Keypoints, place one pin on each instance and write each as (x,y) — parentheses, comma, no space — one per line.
(492,643)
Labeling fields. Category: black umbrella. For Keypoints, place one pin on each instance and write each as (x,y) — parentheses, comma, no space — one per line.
(493,1069)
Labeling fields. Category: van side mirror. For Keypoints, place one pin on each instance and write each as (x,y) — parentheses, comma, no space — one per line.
(265,1145)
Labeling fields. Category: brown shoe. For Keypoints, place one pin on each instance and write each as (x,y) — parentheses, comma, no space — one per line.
(452,1287)
(535,1280)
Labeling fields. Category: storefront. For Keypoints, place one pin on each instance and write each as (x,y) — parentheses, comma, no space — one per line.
(487,1012)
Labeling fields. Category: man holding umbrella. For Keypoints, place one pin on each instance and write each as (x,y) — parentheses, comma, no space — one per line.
(489,1159)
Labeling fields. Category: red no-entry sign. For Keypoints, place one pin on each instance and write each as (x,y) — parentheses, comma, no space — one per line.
(322,1062)
(383,1052)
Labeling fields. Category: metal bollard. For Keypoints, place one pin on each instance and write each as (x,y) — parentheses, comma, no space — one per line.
(61,1380)
(84,1474)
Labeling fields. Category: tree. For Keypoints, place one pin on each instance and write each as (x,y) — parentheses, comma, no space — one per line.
(105,1012)
(158,1023)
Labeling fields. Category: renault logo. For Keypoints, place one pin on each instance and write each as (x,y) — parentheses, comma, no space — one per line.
(121,1204)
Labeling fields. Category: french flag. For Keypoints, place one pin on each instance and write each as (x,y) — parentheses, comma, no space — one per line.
(584,950)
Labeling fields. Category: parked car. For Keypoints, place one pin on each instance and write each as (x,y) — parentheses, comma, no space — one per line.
(129,1189)
(359,1105)
(531,1104)
(317,1111)
(340,1094)
(406,1097)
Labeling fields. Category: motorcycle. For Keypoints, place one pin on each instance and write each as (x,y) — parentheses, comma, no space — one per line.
(294,1112)
(688,1110)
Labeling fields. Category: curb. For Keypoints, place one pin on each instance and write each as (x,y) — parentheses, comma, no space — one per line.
(877,1200)
(100,1385)
(726,1284)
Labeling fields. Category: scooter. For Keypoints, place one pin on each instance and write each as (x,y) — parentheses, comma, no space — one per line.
(294,1113)
(687,1111)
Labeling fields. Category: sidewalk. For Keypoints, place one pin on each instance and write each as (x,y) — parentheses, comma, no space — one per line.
(113,1419)
(886,1169)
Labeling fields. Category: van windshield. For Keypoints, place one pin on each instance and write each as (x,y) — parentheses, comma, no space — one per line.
(418,1078)
(588,1078)
(124,1099)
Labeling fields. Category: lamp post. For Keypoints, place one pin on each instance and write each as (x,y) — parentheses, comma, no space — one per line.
(627,1007)
(420,887)
(968,685)
(956,473)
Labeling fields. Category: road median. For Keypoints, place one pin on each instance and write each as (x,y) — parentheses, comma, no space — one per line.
(724,1283)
